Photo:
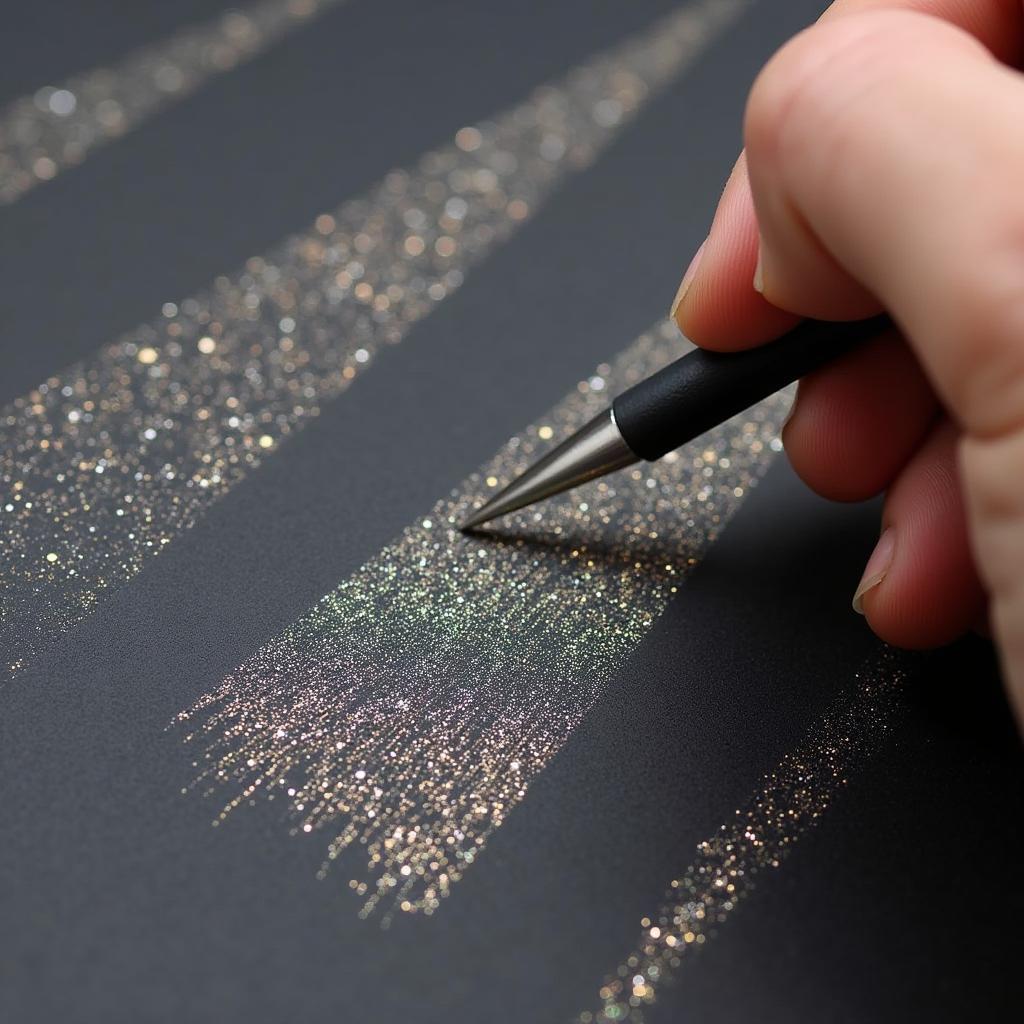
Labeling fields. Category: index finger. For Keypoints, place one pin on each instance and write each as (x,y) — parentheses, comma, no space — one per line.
(717,306)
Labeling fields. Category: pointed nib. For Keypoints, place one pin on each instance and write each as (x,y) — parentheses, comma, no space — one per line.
(595,450)
(478,518)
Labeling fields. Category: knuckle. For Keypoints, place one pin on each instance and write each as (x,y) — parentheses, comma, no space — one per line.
(786,84)
(820,93)
(805,89)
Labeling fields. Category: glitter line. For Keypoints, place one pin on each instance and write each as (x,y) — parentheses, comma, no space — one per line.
(102,466)
(59,126)
(791,802)
(411,709)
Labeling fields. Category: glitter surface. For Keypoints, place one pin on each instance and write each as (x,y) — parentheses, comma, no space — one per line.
(104,464)
(791,801)
(57,127)
(410,710)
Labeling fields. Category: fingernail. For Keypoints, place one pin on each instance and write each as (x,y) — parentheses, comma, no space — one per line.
(877,568)
(759,271)
(684,285)
(789,418)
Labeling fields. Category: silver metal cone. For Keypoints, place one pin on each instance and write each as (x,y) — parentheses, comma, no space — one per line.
(595,450)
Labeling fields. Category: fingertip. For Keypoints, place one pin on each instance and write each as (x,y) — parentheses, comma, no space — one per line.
(950,614)
(719,308)
(920,588)
(716,305)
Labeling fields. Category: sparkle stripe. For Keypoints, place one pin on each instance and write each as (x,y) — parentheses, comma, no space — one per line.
(103,465)
(791,802)
(59,126)
(407,714)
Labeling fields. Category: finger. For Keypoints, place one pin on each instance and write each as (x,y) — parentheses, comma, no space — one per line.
(907,169)
(717,307)
(920,588)
(892,141)
(856,423)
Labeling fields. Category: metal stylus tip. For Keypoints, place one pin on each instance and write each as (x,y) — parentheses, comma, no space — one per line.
(596,449)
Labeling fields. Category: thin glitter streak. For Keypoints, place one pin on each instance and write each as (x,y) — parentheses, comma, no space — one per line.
(792,800)
(102,466)
(409,711)
(59,126)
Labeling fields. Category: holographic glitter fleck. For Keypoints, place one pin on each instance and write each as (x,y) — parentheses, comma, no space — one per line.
(57,127)
(103,465)
(410,710)
(791,801)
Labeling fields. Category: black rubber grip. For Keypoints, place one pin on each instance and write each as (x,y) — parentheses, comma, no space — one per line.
(703,389)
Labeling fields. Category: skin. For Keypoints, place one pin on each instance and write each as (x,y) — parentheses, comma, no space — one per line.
(884,169)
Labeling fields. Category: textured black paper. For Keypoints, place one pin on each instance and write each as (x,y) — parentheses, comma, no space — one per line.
(120,902)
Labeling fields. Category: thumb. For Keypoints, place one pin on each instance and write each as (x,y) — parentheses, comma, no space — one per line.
(886,159)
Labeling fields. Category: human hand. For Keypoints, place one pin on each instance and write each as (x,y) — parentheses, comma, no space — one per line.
(884,168)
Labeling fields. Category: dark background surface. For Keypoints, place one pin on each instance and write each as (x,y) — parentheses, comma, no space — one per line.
(119,900)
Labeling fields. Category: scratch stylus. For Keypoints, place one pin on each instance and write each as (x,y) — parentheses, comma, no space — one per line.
(677,404)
